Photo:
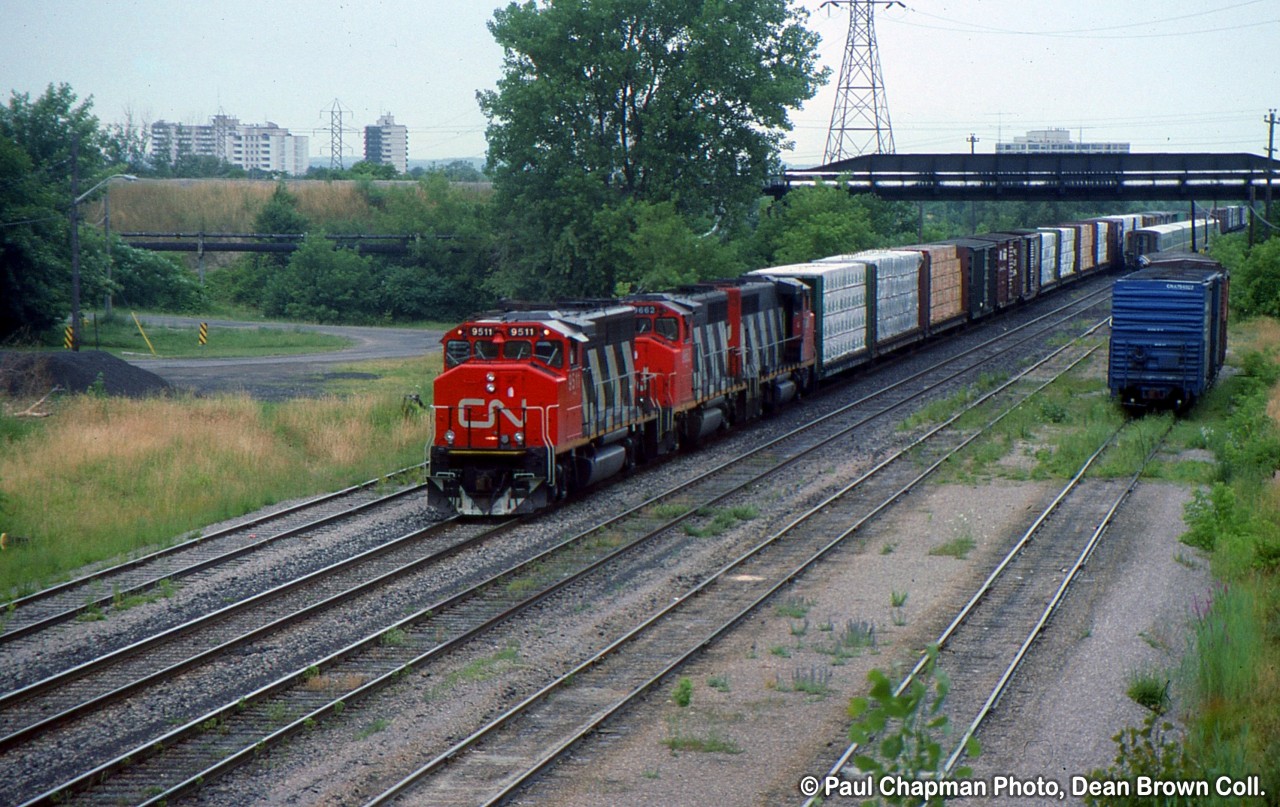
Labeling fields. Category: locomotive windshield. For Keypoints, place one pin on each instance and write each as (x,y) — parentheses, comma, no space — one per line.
(456,351)
(547,351)
(666,327)
(516,349)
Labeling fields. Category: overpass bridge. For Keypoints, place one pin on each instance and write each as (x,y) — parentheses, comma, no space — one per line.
(1044,177)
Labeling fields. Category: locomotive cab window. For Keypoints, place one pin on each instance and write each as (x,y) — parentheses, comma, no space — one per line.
(456,351)
(549,353)
(516,349)
(643,325)
(487,350)
(668,327)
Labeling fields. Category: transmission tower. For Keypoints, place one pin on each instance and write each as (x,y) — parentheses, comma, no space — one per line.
(860,119)
(335,135)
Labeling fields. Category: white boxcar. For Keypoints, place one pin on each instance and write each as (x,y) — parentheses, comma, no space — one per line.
(840,305)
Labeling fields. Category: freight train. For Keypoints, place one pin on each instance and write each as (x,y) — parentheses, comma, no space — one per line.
(536,402)
(1168,331)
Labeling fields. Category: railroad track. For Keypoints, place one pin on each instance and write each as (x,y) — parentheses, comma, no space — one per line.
(251,723)
(991,635)
(496,760)
(31,614)
(77,692)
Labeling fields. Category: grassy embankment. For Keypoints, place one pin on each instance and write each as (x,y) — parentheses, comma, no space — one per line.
(102,478)
(120,336)
(1229,683)
(231,205)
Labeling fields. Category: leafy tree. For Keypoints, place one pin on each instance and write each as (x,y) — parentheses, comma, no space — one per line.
(36,143)
(442,277)
(812,223)
(280,214)
(246,280)
(321,283)
(611,101)
(459,171)
(372,170)
(34,278)
(655,249)
(148,279)
(1259,282)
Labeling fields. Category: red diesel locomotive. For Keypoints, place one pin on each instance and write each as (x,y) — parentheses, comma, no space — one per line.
(534,404)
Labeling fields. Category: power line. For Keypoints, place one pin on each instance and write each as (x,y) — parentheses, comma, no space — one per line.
(1002,32)
(978,28)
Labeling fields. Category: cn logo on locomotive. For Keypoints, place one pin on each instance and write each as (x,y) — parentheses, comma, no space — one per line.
(494,406)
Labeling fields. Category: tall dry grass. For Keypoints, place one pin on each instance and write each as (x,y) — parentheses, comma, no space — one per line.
(229,205)
(108,477)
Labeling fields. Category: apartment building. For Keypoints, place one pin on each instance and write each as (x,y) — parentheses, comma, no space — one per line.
(251,146)
(387,142)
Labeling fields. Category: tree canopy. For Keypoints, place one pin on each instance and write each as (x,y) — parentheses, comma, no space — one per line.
(610,102)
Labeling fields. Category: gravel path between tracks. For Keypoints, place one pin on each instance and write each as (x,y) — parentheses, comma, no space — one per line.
(748,689)
(1127,613)
(748,697)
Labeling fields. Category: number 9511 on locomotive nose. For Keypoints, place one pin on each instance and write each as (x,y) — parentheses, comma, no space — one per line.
(522,406)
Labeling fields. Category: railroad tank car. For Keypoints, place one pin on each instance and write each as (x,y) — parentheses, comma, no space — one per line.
(1168,331)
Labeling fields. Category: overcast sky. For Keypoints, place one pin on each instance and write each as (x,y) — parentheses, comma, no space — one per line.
(1163,75)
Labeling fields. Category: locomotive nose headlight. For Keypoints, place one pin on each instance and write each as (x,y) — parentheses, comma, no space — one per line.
(449,437)
(491,378)
(519,438)
(491,387)
(504,439)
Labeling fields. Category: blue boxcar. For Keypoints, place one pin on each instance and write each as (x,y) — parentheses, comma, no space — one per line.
(1168,331)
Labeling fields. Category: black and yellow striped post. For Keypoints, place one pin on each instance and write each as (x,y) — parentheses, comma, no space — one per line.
(204,334)
(69,338)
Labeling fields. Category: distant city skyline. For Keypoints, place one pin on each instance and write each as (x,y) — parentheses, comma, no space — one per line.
(1163,75)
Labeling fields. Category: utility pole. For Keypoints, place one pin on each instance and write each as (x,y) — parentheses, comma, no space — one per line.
(973,206)
(1270,120)
(860,117)
(75,242)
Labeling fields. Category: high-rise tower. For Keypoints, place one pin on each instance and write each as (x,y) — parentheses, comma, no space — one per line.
(860,119)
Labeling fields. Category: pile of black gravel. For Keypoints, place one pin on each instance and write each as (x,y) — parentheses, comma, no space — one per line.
(24,373)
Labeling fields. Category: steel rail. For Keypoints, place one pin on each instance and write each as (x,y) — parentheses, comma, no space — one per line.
(554,753)
(1016,550)
(185,546)
(1050,608)
(220,649)
(235,758)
